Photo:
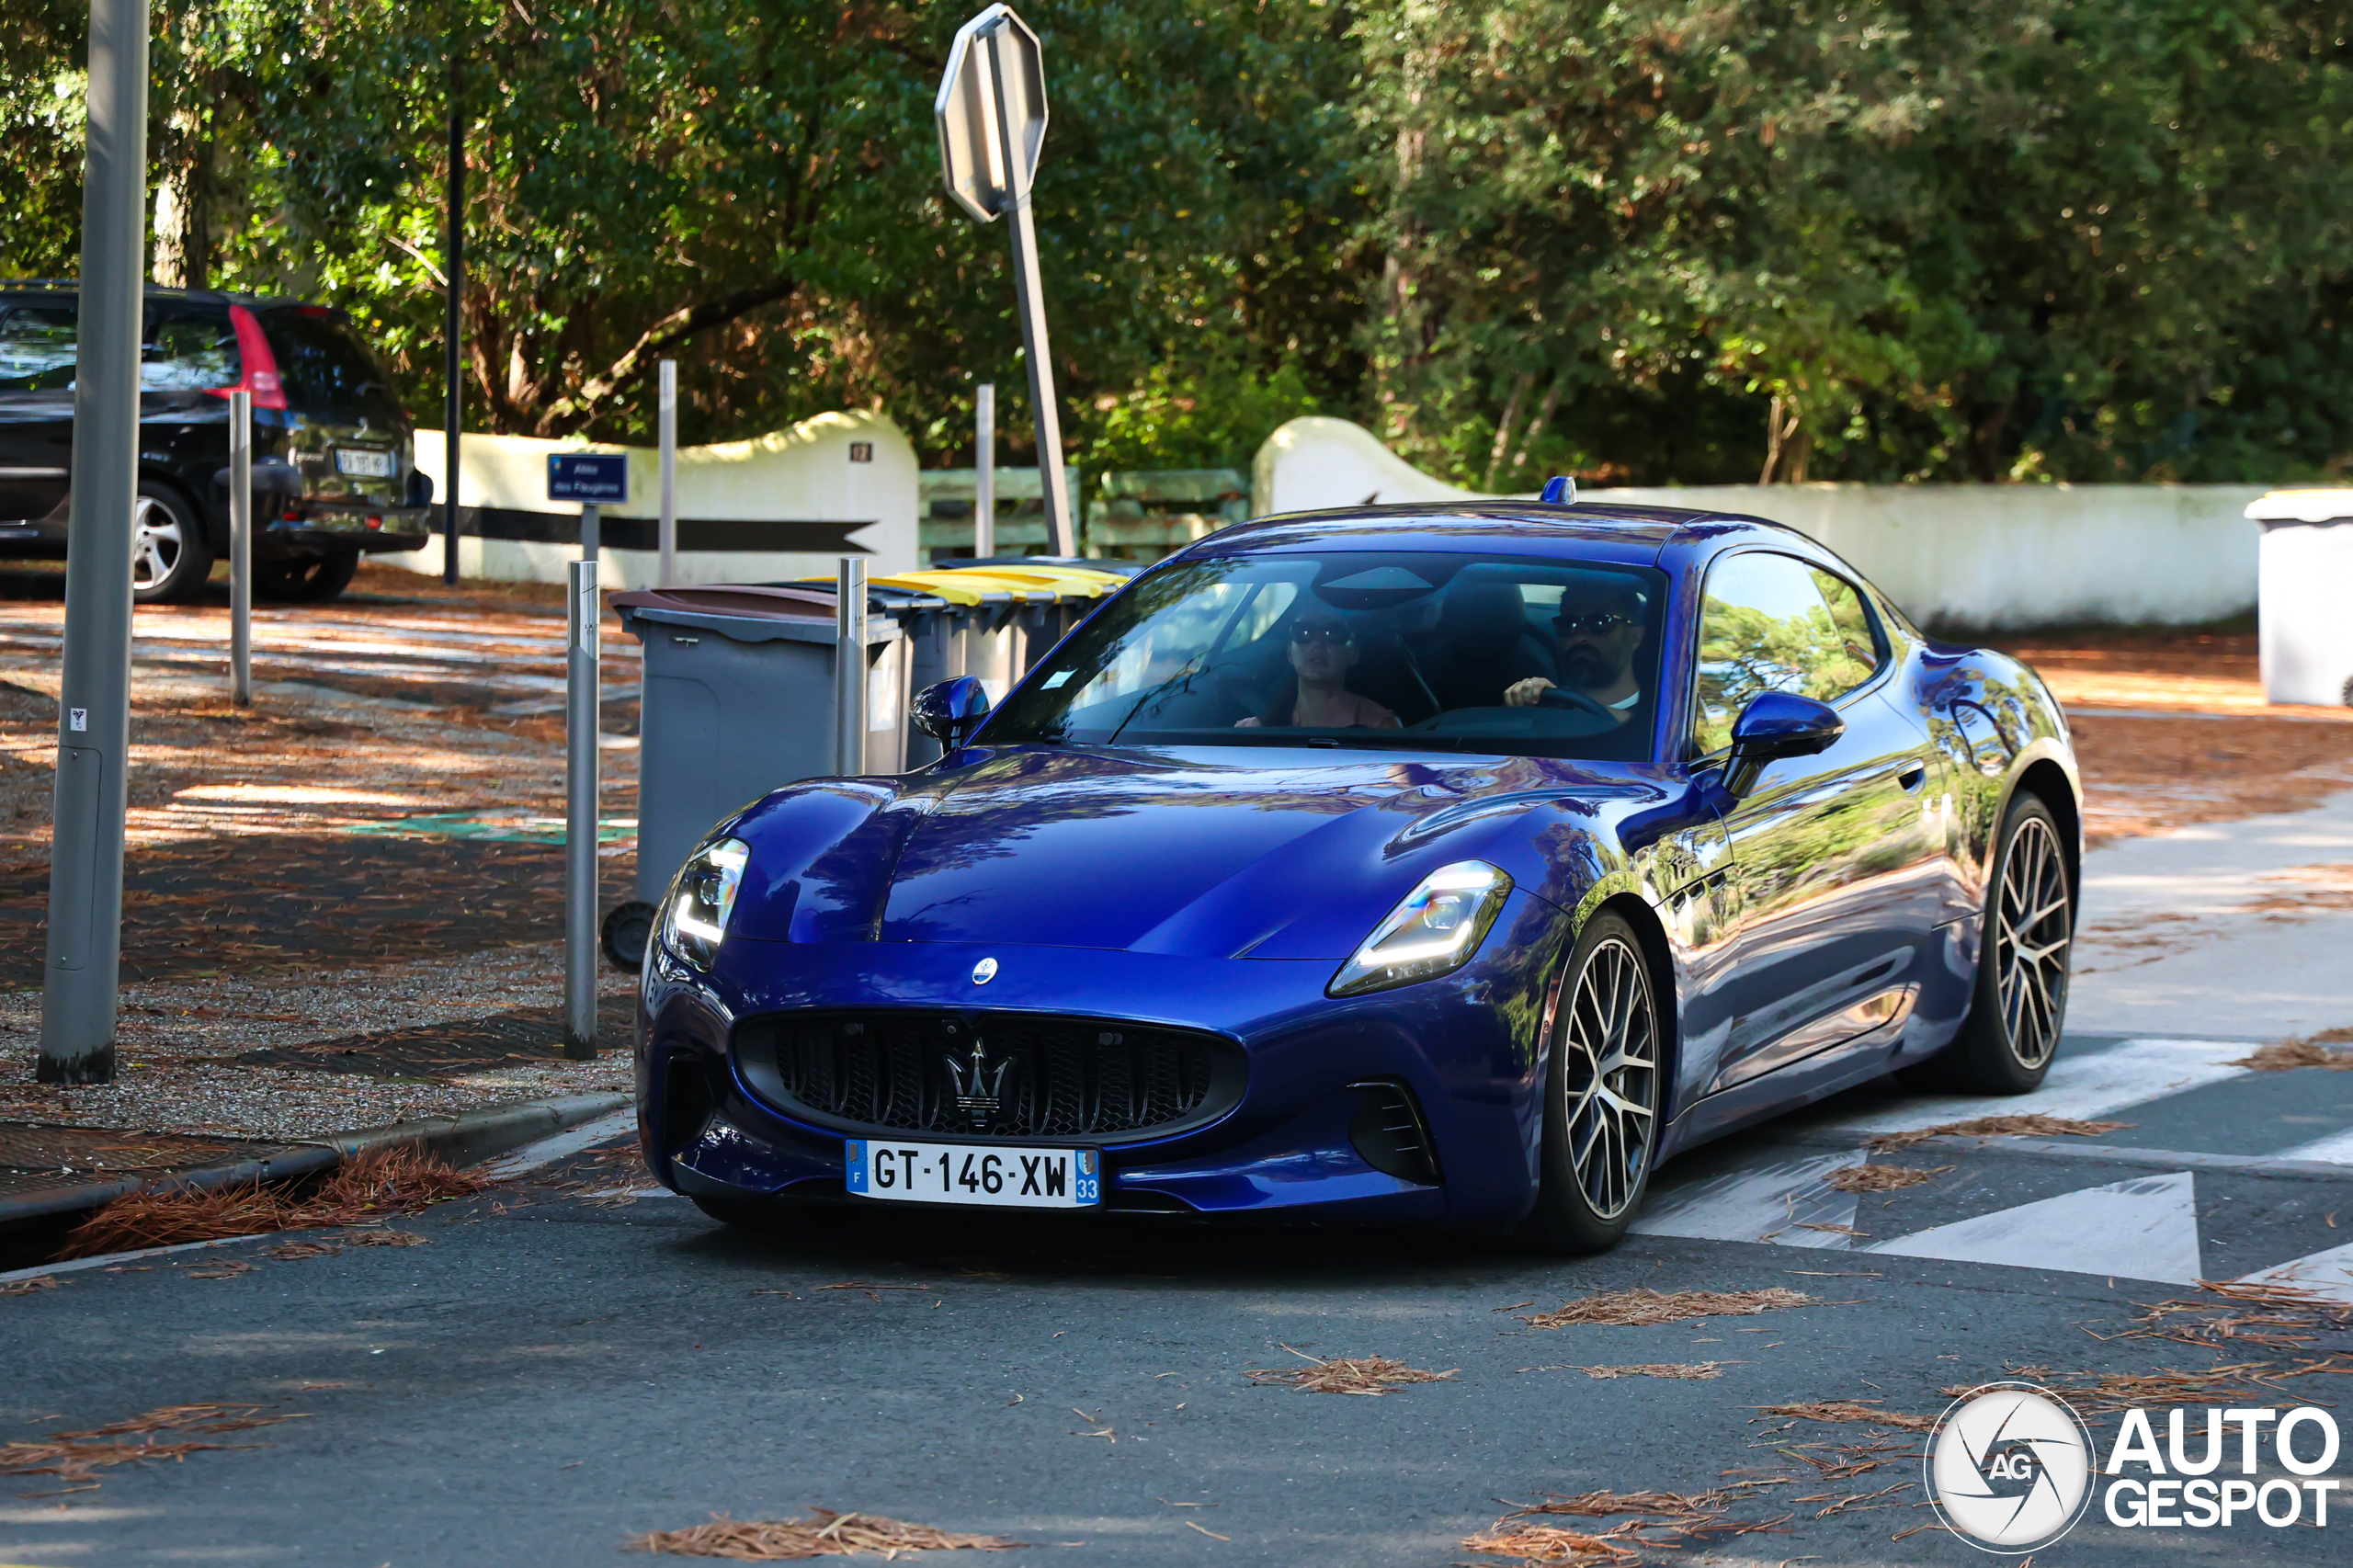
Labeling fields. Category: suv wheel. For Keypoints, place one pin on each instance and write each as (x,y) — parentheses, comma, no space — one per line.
(170,556)
(312,580)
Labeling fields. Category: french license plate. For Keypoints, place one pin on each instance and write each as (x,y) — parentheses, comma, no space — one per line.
(965,1172)
(361,464)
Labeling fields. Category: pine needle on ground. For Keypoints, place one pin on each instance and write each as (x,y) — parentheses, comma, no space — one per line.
(1639,1307)
(823,1533)
(380,1183)
(1364,1374)
(75,1456)
(1688,1369)
(2284,1056)
(1880,1179)
(27,1287)
(2035,1125)
(1851,1410)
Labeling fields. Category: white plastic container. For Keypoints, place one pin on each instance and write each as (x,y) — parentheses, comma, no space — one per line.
(2306,593)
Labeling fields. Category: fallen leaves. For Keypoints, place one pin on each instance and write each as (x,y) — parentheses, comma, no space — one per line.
(289,1252)
(382,1182)
(1851,1410)
(27,1287)
(1682,1519)
(2033,1125)
(382,1236)
(1641,1307)
(1694,1370)
(1880,1179)
(1365,1375)
(2285,1056)
(823,1533)
(225,1268)
(75,1456)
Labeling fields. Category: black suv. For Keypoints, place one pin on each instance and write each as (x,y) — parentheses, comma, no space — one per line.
(335,473)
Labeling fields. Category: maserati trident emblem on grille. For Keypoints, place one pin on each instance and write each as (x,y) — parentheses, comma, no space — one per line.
(979,1084)
(985,971)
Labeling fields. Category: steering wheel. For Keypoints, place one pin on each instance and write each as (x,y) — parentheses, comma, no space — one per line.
(1563,696)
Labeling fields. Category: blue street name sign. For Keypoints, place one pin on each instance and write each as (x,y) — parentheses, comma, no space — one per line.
(588,476)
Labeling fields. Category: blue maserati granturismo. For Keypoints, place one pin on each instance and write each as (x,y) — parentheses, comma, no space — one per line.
(1409,864)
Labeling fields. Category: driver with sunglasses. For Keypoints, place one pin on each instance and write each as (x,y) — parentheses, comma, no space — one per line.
(1597,633)
(1322,650)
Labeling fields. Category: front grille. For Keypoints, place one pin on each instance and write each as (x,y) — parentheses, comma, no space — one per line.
(1033,1077)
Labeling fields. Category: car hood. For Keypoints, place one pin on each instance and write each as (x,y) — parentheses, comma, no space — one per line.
(1209,852)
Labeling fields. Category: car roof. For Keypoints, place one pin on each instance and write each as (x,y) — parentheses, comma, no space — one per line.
(157,291)
(1588,531)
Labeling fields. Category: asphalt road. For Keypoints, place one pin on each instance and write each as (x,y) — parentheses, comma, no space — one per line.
(553,1374)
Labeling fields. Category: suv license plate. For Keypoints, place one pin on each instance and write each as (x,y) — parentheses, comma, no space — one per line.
(963,1172)
(361,464)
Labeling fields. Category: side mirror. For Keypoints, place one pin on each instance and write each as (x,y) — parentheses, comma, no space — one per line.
(1775,725)
(950,710)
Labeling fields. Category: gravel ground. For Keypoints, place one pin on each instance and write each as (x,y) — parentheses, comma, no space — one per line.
(178,1040)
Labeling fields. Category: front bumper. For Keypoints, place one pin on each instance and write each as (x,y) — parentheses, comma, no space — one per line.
(1464,1045)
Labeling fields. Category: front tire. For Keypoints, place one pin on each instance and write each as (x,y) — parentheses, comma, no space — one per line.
(1602,1093)
(2007,1045)
(171,556)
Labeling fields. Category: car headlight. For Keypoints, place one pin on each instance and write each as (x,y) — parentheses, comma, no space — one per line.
(1433,932)
(695,921)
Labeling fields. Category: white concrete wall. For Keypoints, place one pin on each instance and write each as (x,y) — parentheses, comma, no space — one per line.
(800,475)
(1985,555)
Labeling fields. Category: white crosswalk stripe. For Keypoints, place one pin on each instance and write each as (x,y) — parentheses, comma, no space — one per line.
(2326,1273)
(2082,1086)
(2142,1229)
(1781,1200)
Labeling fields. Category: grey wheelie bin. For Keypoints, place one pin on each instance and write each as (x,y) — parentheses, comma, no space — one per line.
(2305,584)
(738,700)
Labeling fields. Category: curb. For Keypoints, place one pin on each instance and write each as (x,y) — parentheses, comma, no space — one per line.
(467,1137)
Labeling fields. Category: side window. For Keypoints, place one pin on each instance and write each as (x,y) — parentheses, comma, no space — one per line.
(1766,624)
(37,348)
(185,351)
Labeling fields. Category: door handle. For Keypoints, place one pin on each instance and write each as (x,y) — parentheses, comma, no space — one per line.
(1912,776)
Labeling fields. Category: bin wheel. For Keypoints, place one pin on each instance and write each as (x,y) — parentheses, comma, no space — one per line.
(626,931)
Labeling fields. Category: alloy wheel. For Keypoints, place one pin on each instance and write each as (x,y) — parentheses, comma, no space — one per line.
(156,541)
(2030,941)
(1611,1076)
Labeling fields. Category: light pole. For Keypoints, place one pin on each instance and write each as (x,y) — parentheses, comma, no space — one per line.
(85,954)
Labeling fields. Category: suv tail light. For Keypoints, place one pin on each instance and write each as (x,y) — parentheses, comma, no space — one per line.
(260,364)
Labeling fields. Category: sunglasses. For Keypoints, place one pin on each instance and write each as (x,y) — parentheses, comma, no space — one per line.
(1304,632)
(1596,625)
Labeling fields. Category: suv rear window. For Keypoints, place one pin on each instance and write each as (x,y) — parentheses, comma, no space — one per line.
(188,350)
(325,367)
(37,347)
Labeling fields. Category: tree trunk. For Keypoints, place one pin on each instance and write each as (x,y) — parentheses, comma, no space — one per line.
(1519,386)
(1544,411)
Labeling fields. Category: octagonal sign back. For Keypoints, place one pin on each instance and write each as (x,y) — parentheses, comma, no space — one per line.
(996,76)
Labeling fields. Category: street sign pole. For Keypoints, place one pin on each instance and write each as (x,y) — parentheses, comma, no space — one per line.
(84,944)
(241,549)
(984,474)
(669,438)
(580,769)
(1030,294)
(991,115)
(592,530)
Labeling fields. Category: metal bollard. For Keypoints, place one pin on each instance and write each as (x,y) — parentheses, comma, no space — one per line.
(985,472)
(667,436)
(849,666)
(241,549)
(585,608)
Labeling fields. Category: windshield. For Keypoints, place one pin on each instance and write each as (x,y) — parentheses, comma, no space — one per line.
(1460,653)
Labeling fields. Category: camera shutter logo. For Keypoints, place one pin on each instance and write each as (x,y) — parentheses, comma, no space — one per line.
(2009,1468)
